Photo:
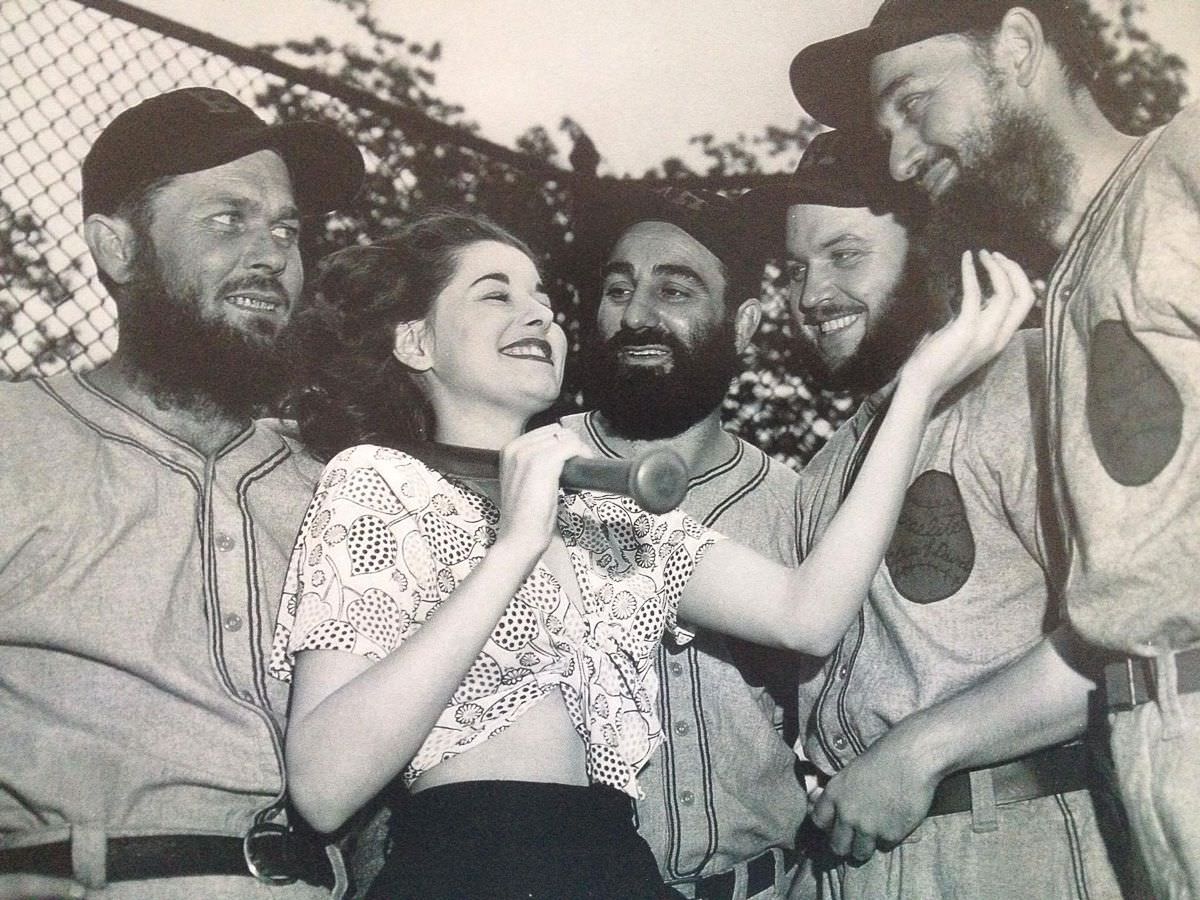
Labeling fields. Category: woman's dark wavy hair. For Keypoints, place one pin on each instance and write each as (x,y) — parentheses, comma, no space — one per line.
(348,387)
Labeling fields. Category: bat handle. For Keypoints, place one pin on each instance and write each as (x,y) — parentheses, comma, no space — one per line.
(657,480)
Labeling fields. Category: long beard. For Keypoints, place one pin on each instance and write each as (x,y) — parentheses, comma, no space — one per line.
(644,403)
(188,361)
(893,331)
(1010,196)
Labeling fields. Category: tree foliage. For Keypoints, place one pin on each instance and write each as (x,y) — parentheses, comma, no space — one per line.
(30,289)
(411,167)
(1139,85)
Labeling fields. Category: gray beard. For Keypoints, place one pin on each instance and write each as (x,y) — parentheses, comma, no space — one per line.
(1011,196)
(186,361)
(912,312)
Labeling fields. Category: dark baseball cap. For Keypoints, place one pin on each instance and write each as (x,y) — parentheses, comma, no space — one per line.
(197,128)
(710,218)
(608,209)
(839,168)
(830,78)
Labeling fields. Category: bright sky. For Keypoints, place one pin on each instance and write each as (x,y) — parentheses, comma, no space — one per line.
(641,76)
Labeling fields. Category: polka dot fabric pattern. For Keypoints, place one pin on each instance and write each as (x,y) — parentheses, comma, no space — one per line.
(387,539)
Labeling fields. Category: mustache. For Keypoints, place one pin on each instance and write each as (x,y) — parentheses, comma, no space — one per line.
(640,337)
(266,284)
(817,315)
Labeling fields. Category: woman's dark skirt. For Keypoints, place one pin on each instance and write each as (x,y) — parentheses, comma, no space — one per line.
(517,840)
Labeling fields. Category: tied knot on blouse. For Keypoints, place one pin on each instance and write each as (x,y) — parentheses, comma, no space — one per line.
(385,542)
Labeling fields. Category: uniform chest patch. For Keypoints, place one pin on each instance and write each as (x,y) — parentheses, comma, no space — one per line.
(1134,412)
(933,551)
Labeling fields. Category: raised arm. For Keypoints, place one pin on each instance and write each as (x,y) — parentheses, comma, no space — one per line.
(383,711)
(809,608)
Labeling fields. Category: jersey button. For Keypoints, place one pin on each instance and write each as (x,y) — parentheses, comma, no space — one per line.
(682,727)
(233,622)
(688,798)
(843,671)
(225,542)
(676,668)
(839,741)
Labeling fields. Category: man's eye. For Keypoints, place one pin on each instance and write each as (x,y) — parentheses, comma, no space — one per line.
(288,232)
(846,257)
(674,292)
(617,292)
(227,218)
(795,272)
(910,105)
(499,296)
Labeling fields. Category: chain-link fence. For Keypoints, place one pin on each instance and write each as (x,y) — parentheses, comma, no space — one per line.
(67,67)
(65,71)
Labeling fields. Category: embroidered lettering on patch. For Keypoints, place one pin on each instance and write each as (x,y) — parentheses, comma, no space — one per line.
(933,551)
(1134,411)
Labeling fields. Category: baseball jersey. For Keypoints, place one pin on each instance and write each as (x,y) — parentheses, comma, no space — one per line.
(722,788)
(1123,374)
(963,589)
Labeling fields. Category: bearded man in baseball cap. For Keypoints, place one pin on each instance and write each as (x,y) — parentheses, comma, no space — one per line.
(943,684)
(990,108)
(148,514)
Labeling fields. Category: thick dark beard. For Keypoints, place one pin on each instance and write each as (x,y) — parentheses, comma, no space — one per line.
(893,332)
(1011,195)
(647,404)
(187,361)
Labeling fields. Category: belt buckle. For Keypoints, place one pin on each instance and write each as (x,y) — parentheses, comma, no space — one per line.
(268,852)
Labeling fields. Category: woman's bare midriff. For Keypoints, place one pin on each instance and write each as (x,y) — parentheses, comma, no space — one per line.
(541,745)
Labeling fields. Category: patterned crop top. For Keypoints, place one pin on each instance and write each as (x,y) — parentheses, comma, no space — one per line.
(386,539)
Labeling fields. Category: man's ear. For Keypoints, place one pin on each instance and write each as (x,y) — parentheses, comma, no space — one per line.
(745,323)
(1022,44)
(413,345)
(113,245)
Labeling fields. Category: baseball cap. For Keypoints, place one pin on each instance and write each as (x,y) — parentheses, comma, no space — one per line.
(710,218)
(830,78)
(838,168)
(197,128)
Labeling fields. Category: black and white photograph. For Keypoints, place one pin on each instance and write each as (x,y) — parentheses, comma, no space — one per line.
(529,450)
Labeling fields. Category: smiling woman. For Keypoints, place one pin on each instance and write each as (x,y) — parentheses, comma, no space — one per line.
(410,591)
(494,650)
(489,342)
(352,388)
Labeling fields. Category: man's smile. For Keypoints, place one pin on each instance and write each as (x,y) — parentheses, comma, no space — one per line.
(829,326)
(645,354)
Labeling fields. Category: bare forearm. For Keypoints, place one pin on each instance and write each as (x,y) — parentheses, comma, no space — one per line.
(836,575)
(882,795)
(808,608)
(1039,700)
(386,711)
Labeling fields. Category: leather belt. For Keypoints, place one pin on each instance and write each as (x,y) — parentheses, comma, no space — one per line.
(1134,680)
(178,855)
(1055,770)
(760,875)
